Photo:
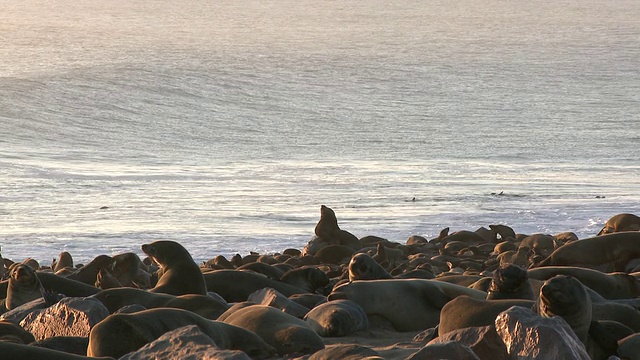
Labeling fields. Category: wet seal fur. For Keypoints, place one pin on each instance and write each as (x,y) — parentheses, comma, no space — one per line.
(180,274)
(119,334)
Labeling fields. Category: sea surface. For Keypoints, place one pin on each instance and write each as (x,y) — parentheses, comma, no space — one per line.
(224,125)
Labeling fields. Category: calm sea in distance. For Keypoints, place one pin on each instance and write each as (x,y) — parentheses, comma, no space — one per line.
(224,125)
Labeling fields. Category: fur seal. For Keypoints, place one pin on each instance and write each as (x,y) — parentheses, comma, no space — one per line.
(607,253)
(236,286)
(612,286)
(119,334)
(287,334)
(11,350)
(268,270)
(510,282)
(65,260)
(327,228)
(541,246)
(180,274)
(565,296)
(621,222)
(129,270)
(203,305)
(408,304)
(12,332)
(308,278)
(24,286)
(364,267)
(465,311)
(337,318)
(89,273)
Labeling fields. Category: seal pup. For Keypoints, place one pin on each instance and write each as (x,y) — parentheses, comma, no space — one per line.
(621,222)
(408,304)
(286,333)
(119,334)
(180,274)
(24,286)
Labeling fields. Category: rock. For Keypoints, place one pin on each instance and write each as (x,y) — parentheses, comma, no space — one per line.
(273,298)
(448,350)
(186,343)
(70,317)
(483,341)
(527,335)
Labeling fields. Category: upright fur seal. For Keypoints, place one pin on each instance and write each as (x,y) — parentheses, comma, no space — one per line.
(180,274)
(119,334)
(24,286)
(327,228)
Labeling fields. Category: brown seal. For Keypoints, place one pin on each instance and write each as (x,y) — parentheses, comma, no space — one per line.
(337,318)
(541,246)
(286,333)
(510,282)
(607,253)
(88,273)
(11,350)
(119,334)
(408,304)
(621,222)
(24,286)
(236,286)
(11,332)
(565,296)
(65,260)
(327,228)
(617,285)
(180,274)
(203,305)
(465,311)
(308,278)
(364,267)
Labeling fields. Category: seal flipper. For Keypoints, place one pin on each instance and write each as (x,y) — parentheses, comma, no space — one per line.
(607,333)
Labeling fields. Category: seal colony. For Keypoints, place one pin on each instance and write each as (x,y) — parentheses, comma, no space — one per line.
(367,298)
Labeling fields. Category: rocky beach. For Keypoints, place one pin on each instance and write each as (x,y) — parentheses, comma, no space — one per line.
(487,293)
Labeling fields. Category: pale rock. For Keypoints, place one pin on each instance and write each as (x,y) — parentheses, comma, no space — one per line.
(530,336)
(71,316)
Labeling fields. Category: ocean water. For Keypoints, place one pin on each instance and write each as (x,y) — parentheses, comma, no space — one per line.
(224,125)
